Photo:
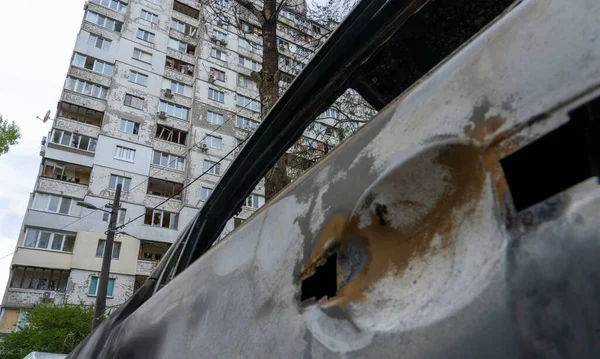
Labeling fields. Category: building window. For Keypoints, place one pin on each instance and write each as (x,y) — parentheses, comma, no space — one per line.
(138,78)
(248,103)
(254,201)
(52,203)
(186,10)
(93,289)
(174,110)
(98,41)
(129,127)
(134,101)
(120,217)
(248,63)
(115,252)
(245,123)
(216,95)
(164,159)
(247,83)
(123,181)
(86,88)
(46,239)
(93,64)
(142,55)
(125,154)
(179,45)
(39,278)
(205,193)
(214,142)
(179,66)
(112,4)
(183,27)
(148,16)
(211,167)
(103,21)
(217,74)
(158,218)
(177,87)
(171,134)
(145,35)
(250,46)
(66,138)
(214,117)
(159,187)
(218,35)
(217,54)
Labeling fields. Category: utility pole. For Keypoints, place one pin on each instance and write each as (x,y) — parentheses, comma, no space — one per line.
(108,249)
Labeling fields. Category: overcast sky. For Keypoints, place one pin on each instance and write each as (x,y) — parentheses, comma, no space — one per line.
(36,41)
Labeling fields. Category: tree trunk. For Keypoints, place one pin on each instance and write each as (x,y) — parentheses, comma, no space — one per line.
(277,178)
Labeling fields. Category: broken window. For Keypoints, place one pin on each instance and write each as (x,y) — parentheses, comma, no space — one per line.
(179,66)
(66,138)
(171,134)
(80,114)
(186,10)
(183,27)
(159,187)
(49,240)
(134,101)
(66,172)
(115,252)
(39,278)
(153,251)
(129,127)
(179,45)
(159,218)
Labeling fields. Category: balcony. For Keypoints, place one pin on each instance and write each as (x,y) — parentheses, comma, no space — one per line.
(33,285)
(64,178)
(145,267)
(80,114)
(84,101)
(149,256)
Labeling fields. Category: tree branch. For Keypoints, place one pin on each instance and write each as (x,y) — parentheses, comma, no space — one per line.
(253,9)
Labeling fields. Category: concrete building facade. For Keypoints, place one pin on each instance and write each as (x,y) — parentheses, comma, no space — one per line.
(155,96)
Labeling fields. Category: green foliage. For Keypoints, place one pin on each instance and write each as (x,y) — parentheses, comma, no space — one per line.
(9,135)
(50,328)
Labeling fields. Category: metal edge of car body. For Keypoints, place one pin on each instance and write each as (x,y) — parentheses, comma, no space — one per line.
(433,261)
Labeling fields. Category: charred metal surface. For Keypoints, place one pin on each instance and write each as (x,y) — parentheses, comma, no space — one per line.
(432,259)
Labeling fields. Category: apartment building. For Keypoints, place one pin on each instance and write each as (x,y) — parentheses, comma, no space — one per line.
(156,95)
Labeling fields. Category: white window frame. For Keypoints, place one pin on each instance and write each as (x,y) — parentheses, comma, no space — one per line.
(168,160)
(112,4)
(47,201)
(124,181)
(253,201)
(149,16)
(205,192)
(214,141)
(218,54)
(218,35)
(249,63)
(86,88)
(245,123)
(141,55)
(125,125)
(174,110)
(124,154)
(134,100)
(115,246)
(67,136)
(120,217)
(103,21)
(138,78)
(145,35)
(178,88)
(210,167)
(248,103)
(214,117)
(177,45)
(173,219)
(51,237)
(216,95)
(99,42)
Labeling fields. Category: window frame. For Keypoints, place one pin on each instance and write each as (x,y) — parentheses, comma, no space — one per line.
(50,239)
(119,179)
(145,13)
(133,101)
(123,153)
(173,218)
(145,35)
(210,167)
(108,288)
(141,53)
(211,115)
(134,76)
(209,139)
(170,158)
(220,95)
(115,245)
(135,127)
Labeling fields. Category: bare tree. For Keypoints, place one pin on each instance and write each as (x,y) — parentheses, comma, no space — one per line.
(257,23)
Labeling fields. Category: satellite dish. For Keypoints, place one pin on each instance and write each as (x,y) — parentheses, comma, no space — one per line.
(46,117)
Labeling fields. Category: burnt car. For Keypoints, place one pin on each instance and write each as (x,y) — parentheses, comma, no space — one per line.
(462,221)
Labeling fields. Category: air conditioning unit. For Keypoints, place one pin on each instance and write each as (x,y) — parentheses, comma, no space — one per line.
(203,147)
(214,39)
(162,115)
(211,79)
(223,42)
(168,93)
(48,295)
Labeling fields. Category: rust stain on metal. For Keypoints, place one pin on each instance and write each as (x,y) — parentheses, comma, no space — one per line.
(479,129)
